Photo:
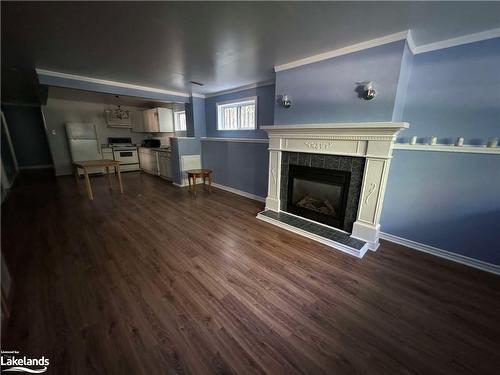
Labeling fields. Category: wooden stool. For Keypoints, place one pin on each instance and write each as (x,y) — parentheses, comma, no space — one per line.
(203,173)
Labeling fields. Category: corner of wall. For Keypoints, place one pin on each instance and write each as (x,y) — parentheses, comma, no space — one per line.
(175,157)
(403,83)
(189,118)
(196,118)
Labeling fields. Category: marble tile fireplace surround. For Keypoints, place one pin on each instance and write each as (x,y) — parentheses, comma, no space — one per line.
(327,181)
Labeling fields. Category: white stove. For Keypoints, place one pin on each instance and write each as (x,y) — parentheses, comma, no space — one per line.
(125,152)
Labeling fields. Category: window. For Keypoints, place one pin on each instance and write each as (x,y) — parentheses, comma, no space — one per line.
(180,121)
(237,114)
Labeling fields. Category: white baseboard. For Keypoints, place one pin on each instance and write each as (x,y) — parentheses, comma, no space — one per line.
(239,192)
(185,183)
(484,266)
(179,185)
(28,167)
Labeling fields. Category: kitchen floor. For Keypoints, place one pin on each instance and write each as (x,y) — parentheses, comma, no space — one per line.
(156,281)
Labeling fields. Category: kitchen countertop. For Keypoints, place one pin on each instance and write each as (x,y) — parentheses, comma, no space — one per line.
(157,149)
(110,147)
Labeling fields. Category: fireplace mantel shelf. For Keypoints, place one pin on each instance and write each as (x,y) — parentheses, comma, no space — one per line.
(355,131)
(339,125)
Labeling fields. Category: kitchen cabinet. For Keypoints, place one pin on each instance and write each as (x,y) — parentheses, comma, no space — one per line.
(158,120)
(137,122)
(156,162)
(165,164)
(148,160)
(148,120)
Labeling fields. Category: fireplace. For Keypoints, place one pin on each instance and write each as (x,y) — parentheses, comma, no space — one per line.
(349,196)
(318,194)
(319,180)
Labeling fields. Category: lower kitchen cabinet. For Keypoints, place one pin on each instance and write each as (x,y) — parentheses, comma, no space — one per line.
(156,162)
(148,160)
(165,164)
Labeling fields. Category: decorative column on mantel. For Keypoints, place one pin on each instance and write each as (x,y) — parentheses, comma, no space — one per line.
(372,140)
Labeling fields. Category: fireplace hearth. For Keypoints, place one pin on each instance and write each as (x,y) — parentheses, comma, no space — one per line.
(318,194)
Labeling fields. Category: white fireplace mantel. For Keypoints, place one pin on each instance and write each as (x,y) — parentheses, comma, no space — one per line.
(373,141)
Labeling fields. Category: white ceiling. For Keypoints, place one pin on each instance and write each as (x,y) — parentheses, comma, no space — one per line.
(224,45)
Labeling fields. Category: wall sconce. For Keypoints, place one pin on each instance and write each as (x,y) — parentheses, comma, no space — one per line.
(366,90)
(286,102)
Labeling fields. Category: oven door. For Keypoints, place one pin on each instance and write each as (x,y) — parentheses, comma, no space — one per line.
(126,156)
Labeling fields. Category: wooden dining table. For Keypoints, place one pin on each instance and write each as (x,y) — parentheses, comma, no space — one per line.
(87,165)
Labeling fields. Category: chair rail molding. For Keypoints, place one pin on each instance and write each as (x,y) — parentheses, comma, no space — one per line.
(466,149)
(237,140)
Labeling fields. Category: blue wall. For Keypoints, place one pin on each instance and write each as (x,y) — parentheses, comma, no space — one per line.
(446,200)
(195,117)
(324,92)
(238,165)
(28,136)
(265,112)
(456,92)
(403,82)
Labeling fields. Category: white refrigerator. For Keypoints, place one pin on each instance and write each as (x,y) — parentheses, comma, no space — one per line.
(83,143)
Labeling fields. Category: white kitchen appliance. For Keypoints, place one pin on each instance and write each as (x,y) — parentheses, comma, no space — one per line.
(125,152)
(83,143)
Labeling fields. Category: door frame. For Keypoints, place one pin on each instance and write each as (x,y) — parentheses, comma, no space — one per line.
(6,183)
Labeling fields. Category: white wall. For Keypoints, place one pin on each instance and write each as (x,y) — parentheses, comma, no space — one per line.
(59,111)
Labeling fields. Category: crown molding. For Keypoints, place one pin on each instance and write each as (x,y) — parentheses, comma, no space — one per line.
(49,73)
(453,42)
(241,88)
(411,42)
(403,35)
(343,51)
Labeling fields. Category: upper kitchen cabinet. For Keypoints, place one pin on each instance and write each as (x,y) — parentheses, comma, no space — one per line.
(137,122)
(158,120)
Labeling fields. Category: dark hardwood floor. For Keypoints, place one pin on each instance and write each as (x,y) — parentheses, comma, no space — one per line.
(159,282)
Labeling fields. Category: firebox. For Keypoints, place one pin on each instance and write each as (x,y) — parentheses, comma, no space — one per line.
(318,194)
